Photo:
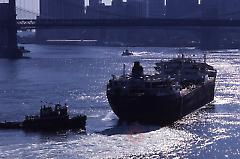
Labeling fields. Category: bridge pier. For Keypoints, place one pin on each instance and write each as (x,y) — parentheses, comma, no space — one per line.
(10,48)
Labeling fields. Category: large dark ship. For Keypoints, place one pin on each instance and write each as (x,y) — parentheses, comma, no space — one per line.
(179,86)
(49,119)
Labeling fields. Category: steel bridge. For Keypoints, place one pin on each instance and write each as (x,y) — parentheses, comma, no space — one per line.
(11,24)
(68,23)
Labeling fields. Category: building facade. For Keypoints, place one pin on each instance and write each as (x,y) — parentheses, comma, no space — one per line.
(155,8)
(62,9)
(95,2)
(98,10)
(118,9)
(136,8)
(182,8)
(221,9)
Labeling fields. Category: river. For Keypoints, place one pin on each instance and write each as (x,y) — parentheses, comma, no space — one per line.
(78,75)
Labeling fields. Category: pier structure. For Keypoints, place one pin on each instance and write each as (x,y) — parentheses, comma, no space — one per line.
(8,38)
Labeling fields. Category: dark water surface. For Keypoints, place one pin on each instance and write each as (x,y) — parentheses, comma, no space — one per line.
(78,76)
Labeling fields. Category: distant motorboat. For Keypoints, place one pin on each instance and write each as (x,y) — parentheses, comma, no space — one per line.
(22,49)
(127,53)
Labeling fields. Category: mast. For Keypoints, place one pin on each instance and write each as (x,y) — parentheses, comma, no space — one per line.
(124,70)
(205,58)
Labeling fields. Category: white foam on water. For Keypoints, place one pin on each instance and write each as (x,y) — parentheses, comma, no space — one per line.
(109,116)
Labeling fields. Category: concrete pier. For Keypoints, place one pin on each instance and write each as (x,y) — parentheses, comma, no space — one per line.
(8,38)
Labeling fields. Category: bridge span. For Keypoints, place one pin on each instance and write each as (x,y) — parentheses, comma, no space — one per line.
(108,23)
(23,24)
(11,25)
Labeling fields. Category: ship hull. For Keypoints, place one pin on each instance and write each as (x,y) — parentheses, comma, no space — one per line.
(160,109)
(55,124)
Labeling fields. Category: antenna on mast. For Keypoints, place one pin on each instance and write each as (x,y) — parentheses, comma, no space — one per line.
(205,58)
(124,70)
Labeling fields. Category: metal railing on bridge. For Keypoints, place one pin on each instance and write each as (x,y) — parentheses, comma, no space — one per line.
(71,23)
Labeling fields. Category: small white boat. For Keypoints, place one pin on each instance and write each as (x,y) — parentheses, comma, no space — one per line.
(127,53)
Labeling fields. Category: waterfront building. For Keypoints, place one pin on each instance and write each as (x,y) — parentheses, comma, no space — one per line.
(231,9)
(182,9)
(137,8)
(118,9)
(221,9)
(62,9)
(210,9)
(95,2)
(97,10)
(155,8)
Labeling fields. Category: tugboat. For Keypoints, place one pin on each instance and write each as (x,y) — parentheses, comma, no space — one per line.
(49,119)
(179,87)
(127,53)
(54,119)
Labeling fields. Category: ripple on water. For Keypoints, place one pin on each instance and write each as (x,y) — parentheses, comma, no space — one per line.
(80,77)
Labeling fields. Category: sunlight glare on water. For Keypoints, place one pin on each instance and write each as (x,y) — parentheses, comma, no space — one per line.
(78,76)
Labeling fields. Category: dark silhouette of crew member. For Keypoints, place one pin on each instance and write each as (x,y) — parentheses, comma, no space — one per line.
(137,70)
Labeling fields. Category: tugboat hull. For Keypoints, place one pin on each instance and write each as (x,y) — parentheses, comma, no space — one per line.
(48,120)
(55,124)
